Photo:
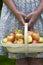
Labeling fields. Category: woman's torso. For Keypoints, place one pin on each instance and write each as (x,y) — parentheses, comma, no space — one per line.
(27,6)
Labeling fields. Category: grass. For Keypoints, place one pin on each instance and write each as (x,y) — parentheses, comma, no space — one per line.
(5,61)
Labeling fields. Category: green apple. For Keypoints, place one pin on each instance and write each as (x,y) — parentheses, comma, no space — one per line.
(41,39)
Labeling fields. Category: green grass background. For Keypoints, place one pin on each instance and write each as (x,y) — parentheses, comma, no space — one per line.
(4,60)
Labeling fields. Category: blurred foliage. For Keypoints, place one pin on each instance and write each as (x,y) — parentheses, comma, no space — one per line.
(0,4)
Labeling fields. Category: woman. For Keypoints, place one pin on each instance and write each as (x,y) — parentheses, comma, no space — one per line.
(13,14)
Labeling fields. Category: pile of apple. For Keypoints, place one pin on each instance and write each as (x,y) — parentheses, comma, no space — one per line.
(34,37)
(17,37)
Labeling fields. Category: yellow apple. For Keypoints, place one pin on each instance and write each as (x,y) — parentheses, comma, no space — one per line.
(30,39)
(20,41)
(40,39)
(5,40)
(19,36)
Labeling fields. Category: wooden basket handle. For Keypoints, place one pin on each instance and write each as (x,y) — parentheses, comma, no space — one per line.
(25,37)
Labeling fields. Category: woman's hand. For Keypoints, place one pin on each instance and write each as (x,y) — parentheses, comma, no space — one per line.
(20,16)
(12,7)
(32,17)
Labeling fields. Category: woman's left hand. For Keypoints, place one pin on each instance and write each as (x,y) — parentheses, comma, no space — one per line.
(32,17)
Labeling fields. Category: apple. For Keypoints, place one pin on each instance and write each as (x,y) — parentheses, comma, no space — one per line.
(5,40)
(9,42)
(40,39)
(11,34)
(10,38)
(19,36)
(35,42)
(30,39)
(35,36)
(15,41)
(30,33)
(20,41)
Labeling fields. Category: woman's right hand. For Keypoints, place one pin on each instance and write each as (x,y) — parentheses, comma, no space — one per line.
(20,16)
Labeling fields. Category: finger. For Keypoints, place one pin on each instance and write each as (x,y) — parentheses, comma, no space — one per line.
(31,22)
(24,15)
(28,16)
(22,21)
